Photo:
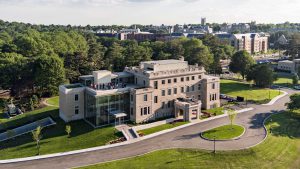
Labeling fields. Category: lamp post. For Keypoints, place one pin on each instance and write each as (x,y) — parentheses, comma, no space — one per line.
(214,144)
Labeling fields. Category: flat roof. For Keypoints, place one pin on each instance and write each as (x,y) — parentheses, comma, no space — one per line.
(165,62)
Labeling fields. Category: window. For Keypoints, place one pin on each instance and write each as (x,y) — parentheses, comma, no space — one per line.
(199,86)
(155,99)
(131,97)
(145,97)
(187,78)
(169,81)
(182,89)
(155,84)
(193,77)
(175,90)
(136,81)
(148,110)
(169,104)
(188,89)
(163,82)
(182,79)
(213,86)
(76,110)
(141,111)
(76,97)
(131,110)
(163,105)
(175,80)
(144,83)
(199,97)
(169,91)
(163,92)
(145,111)
(199,77)
(193,88)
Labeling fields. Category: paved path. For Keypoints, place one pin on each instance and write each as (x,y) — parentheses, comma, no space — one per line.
(183,138)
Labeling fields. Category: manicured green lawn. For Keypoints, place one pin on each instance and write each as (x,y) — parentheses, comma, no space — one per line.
(234,88)
(54,138)
(54,101)
(161,127)
(284,80)
(224,132)
(281,150)
(216,111)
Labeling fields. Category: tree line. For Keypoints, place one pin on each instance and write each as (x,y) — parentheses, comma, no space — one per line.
(36,59)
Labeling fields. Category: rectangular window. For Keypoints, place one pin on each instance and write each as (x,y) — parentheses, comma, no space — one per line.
(145,97)
(155,84)
(169,91)
(144,83)
(76,110)
(169,81)
(163,82)
(199,97)
(188,89)
(199,86)
(175,90)
(169,104)
(163,92)
(193,88)
(131,97)
(148,110)
(193,77)
(213,86)
(199,77)
(182,89)
(187,78)
(141,111)
(182,79)
(155,99)
(163,105)
(76,97)
(131,110)
(175,80)
(145,111)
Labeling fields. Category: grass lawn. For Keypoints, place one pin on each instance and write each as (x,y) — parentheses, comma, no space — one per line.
(284,80)
(224,132)
(234,88)
(161,127)
(217,111)
(54,101)
(54,138)
(281,150)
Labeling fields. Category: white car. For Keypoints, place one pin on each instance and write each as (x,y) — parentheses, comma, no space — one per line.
(297,87)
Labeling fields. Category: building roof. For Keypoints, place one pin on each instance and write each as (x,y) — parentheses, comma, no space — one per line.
(164,62)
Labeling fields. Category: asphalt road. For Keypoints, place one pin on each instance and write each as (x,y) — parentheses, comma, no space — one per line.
(183,138)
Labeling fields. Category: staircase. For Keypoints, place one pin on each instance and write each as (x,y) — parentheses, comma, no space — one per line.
(128,132)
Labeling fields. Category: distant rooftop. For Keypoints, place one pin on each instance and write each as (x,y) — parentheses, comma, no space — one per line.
(164,62)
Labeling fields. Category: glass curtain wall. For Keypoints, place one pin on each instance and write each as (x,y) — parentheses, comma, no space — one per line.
(98,108)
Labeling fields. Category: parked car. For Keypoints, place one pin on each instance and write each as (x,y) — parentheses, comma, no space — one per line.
(297,87)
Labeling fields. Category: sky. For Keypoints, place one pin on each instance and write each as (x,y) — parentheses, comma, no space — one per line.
(157,12)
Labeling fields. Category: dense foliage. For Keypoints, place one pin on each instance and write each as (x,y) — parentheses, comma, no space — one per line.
(37,58)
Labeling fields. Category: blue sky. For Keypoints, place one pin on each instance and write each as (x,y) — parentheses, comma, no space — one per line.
(127,12)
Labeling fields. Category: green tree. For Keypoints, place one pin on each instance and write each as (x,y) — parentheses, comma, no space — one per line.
(295,79)
(68,130)
(295,102)
(241,62)
(114,60)
(37,136)
(49,73)
(232,116)
(262,75)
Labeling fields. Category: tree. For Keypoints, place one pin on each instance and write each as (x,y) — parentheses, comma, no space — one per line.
(31,104)
(49,73)
(262,75)
(241,62)
(295,102)
(68,130)
(231,115)
(37,136)
(295,79)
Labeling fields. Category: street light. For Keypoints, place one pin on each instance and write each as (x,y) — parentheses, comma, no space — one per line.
(214,144)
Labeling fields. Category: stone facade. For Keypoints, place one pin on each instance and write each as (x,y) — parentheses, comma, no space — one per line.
(148,92)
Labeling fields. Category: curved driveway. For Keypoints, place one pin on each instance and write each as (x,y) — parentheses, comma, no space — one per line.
(187,137)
